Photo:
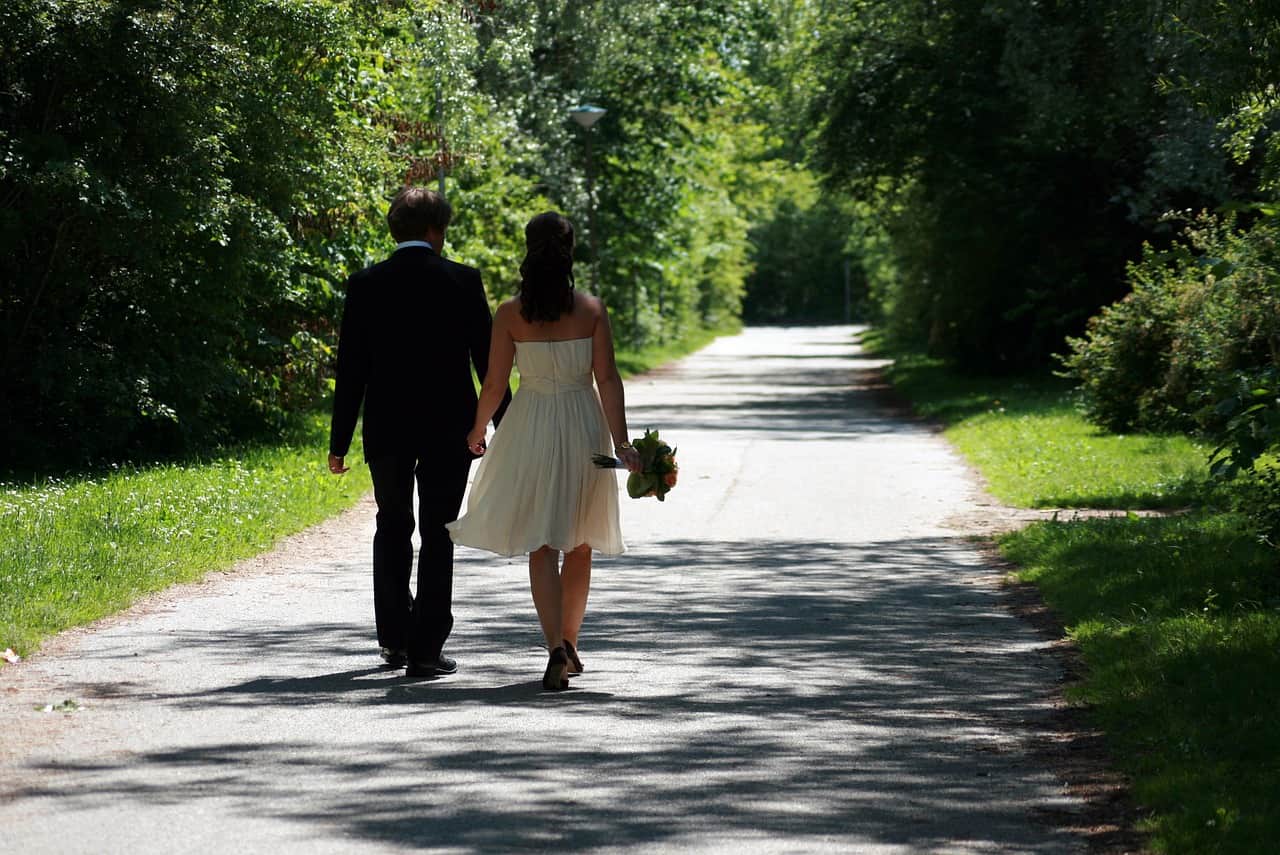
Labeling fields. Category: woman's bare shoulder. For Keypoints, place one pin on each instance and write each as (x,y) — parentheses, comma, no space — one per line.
(592,306)
(508,308)
(507,315)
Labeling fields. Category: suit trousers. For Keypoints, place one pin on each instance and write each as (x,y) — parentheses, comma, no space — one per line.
(418,624)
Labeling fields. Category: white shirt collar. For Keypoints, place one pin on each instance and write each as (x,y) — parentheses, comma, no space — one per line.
(405,243)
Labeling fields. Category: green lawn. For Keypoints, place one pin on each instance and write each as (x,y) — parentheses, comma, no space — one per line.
(1035,449)
(1177,618)
(73,551)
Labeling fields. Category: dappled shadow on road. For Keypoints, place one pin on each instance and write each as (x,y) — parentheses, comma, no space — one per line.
(830,400)
(790,388)
(810,692)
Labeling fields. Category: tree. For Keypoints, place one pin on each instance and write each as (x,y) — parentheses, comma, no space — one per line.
(185,186)
(1026,154)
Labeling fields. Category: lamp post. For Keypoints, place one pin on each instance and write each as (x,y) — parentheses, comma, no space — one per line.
(586,116)
(440,126)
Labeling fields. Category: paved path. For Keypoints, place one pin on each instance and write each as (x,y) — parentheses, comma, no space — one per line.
(796,655)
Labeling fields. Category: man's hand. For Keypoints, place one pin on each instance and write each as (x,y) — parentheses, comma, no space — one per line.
(335,465)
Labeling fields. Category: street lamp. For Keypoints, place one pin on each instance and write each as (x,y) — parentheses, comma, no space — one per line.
(586,116)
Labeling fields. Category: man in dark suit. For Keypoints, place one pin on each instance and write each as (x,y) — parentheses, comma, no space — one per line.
(412,327)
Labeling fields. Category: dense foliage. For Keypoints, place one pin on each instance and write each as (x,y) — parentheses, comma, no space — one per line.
(1196,348)
(1017,167)
(179,192)
(1196,345)
(184,187)
(676,159)
(800,257)
(1015,156)
(1201,320)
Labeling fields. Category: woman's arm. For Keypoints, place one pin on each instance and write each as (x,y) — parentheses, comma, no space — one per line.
(609,382)
(480,342)
(502,353)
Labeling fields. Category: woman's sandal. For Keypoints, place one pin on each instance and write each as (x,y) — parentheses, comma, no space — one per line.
(556,677)
(575,664)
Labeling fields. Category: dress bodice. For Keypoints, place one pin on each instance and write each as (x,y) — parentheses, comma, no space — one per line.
(551,367)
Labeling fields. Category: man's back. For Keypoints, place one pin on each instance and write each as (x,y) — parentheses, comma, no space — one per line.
(412,327)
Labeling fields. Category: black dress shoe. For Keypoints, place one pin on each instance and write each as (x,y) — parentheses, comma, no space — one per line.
(395,657)
(440,665)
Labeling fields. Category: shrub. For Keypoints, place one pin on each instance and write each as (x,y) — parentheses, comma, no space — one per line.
(1201,319)
(1196,346)
(1257,496)
(1246,424)
(1122,361)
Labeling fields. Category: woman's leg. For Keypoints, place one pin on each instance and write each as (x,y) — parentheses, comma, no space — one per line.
(544,582)
(575,585)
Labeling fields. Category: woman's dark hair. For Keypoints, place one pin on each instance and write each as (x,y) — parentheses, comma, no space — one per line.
(546,274)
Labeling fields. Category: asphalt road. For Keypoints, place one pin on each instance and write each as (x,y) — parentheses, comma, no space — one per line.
(796,654)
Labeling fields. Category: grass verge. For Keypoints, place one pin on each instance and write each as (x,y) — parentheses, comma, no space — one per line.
(1035,448)
(1177,618)
(1178,621)
(77,550)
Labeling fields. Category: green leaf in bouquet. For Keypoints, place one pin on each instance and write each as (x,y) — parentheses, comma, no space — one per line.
(639,485)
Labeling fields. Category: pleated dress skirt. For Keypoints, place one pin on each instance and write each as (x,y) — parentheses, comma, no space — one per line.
(536,485)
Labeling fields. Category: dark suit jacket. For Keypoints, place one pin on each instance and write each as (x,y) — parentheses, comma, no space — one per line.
(412,328)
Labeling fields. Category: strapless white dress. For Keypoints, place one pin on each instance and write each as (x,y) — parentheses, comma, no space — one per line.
(536,485)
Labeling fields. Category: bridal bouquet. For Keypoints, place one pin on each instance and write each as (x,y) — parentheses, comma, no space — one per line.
(659,469)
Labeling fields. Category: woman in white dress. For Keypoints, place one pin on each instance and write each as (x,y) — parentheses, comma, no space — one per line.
(537,490)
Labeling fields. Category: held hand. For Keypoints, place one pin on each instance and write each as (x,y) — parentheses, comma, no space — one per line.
(475,442)
(630,458)
(335,465)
